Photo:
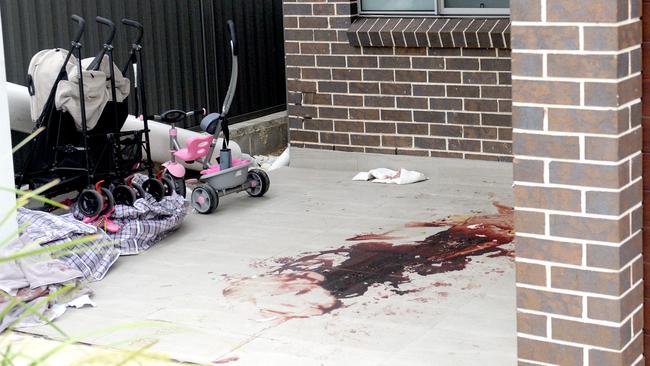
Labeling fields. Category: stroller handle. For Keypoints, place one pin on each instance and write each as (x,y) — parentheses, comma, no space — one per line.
(233,37)
(97,61)
(134,24)
(109,23)
(81,25)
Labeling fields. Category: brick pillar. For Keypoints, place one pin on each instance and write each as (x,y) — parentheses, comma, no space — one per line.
(578,187)
(646,163)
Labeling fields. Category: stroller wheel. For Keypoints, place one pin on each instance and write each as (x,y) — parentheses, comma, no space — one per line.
(109,201)
(90,202)
(260,183)
(124,195)
(155,188)
(139,191)
(168,183)
(179,184)
(205,199)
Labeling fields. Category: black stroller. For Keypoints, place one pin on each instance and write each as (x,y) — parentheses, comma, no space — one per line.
(97,162)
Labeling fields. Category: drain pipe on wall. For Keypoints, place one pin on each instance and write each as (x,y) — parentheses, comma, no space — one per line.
(7,198)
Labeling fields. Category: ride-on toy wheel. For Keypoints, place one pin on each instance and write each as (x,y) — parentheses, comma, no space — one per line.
(179,184)
(124,195)
(109,201)
(90,202)
(168,183)
(155,188)
(139,191)
(259,181)
(205,199)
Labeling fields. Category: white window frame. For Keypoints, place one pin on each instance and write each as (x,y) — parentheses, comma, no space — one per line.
(440,9)
(399,12)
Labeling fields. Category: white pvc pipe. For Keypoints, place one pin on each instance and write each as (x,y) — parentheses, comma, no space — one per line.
(20,118)
(159,137)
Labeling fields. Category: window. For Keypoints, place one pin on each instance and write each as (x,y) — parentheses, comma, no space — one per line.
(398,6)
(475,7)
(439,7)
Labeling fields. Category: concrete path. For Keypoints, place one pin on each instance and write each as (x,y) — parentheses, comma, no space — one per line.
(212,291)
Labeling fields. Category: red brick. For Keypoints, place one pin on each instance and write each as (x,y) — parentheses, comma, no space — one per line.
(588,228)
(546,146)
(531,324)
(546,92)
(549,302)
(603,336)
(545,37)
(585,280)
(548,352)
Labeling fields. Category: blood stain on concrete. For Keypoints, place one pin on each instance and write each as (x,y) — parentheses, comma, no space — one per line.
(315,283)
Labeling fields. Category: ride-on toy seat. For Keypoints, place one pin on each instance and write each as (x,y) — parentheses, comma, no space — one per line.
(197,147)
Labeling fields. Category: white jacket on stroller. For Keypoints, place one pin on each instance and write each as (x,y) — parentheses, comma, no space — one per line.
(43,71)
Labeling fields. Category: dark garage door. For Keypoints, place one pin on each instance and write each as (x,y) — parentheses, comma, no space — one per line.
(187,60)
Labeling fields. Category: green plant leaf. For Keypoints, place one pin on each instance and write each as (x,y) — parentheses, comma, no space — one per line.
(27,139)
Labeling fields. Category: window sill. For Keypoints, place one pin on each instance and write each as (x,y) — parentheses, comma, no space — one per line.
(436,32)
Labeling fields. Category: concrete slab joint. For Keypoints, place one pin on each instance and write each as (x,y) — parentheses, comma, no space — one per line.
(577,144)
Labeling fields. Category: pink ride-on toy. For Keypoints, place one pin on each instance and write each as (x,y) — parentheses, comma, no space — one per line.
(174,172)
(230,175)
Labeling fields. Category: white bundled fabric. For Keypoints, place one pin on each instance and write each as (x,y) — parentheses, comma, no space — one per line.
(384,175)
(43,70)
(281,161)
(95,95)
(122,84)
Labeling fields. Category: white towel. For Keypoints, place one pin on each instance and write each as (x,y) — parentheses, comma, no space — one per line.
(388,176)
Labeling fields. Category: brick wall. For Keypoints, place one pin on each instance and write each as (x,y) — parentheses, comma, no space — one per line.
(646,163)
(578,186)
(407,86)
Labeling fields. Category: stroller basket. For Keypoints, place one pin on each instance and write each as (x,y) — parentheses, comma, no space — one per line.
(116,155)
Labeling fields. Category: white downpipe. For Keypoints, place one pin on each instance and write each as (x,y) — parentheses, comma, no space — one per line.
(7,199)
(21,121)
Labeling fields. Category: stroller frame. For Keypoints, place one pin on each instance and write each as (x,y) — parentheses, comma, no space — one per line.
(47,115)
(92,200)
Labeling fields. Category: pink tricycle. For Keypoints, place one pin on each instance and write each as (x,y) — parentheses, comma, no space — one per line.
(229,175)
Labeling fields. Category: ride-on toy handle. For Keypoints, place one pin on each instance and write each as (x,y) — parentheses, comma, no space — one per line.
(234,70)
(233,37)
(176,115)
(81,26)
(138,26)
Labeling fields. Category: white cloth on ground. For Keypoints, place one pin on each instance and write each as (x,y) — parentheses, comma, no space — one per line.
(32,271)
(389,176)
(31,278)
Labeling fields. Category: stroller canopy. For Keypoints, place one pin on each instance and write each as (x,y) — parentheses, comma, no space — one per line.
(42,74)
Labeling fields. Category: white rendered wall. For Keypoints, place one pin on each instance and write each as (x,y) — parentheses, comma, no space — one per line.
(7,199)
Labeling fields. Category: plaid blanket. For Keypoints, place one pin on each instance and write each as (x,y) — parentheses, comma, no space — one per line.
(93,258)
(146,222)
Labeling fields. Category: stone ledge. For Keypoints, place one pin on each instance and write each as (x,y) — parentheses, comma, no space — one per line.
(262,136)
(430,32)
